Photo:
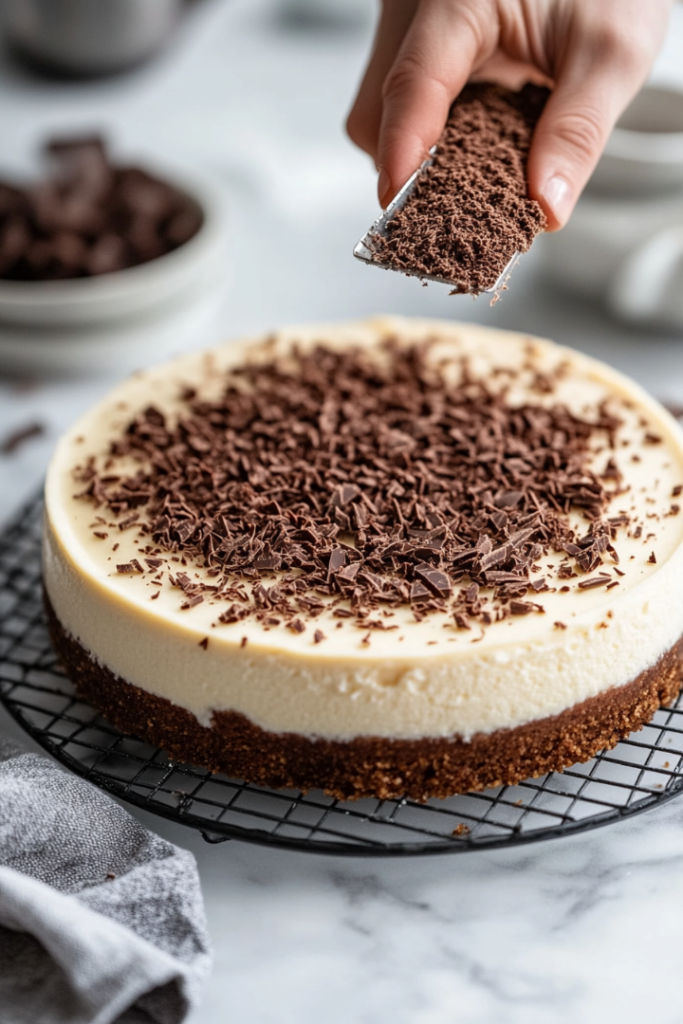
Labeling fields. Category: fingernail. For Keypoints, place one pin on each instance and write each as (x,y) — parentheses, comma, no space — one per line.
(558,195)
(383,188)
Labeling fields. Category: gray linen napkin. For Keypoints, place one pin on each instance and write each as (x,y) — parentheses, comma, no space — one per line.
(100,920)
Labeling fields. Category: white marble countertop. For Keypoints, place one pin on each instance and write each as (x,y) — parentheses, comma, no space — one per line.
(582,929)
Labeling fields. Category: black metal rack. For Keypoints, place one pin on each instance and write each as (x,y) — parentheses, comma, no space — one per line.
(642,771)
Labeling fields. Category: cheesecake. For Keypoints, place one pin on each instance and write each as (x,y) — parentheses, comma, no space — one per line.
(394,557)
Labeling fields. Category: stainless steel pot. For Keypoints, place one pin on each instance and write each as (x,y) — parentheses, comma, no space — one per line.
(88,37)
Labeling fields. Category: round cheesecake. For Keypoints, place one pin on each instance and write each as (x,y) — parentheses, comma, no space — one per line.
(393,557)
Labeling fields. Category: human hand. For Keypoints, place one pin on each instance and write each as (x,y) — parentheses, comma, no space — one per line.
(596,54)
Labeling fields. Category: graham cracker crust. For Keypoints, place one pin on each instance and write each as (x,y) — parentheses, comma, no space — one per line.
(372,766)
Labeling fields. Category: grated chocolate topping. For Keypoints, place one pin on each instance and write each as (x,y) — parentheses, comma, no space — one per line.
(469,212)
(361,482)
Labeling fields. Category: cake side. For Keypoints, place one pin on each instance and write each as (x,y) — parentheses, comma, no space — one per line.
(376,766)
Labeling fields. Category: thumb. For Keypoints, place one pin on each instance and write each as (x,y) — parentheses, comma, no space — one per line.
(588,98)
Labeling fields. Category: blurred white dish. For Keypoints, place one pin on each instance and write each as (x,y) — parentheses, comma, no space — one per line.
(123,294)
(82,37)
(624,242)
(194,318)
(644,153)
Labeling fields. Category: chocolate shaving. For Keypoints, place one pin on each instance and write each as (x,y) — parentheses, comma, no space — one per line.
(594,581)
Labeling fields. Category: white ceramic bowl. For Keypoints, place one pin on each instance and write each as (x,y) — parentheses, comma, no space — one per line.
(644,153)
(125,294)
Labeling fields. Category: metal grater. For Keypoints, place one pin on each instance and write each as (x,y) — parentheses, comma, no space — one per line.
(363,250)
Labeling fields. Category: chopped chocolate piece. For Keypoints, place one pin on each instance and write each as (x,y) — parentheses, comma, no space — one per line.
(128,567)
(469,210)
(296,626)
(522,607)
(349,573)
(419,592)
(344,494)
(559,625)
(318,636)
(204,643)
(653,558)
(435,580)
(595,581)
(268,562)
(337,560)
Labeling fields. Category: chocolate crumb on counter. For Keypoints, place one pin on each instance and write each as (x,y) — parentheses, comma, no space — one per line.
(17,438)
(469,211)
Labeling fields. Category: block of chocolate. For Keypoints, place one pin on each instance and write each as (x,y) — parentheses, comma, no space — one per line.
(466,216)
(393,557)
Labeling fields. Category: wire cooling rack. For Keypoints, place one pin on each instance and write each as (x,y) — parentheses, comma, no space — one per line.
(641,772)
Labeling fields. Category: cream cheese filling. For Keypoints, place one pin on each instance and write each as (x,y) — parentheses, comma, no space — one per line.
(423,678)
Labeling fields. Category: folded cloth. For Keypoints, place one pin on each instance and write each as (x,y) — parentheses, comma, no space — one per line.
(100,920)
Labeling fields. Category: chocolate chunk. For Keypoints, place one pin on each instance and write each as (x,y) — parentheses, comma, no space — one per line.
(594,581)
(522,607)
(337,560)
(419,592)
(345,494)
(435,580)
(349,573)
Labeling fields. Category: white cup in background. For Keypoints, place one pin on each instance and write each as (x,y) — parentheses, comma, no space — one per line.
(624,242)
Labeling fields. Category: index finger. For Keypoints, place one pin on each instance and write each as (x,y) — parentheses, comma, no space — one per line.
(432,66)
